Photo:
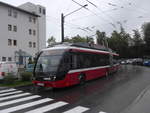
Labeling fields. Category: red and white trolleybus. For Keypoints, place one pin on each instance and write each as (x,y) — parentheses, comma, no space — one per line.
(65,65)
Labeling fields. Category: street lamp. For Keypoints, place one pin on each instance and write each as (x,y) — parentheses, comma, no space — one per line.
(63,18)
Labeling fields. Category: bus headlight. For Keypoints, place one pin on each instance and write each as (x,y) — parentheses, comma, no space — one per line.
(47,78)
(51,78)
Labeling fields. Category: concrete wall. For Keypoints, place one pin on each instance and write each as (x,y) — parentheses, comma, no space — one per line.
(41,21)
(22,35)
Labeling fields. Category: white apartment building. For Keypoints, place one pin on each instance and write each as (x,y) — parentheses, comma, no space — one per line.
(22,31)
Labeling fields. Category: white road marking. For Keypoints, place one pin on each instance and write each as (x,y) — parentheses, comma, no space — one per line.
(14,96)
(48,107)
(78,109)
(102,112)
(7,90)
(23,106)
(18,100)
(5,94)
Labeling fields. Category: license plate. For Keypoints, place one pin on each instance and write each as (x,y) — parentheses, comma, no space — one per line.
(40,84)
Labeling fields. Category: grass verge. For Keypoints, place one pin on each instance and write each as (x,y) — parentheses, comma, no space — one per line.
(17,83)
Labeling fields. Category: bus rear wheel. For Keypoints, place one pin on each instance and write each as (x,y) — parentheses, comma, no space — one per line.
(82,79)
(107,73)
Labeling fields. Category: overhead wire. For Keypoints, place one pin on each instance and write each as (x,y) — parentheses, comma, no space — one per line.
(66,23)
(110,18)
(70,25)
(93,13)
(133,3)
(110,10)
(143,12)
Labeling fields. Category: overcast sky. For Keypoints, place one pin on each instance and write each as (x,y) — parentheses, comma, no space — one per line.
(104,15)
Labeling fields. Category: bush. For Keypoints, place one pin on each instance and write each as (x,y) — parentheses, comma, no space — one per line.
(9,79)
(26,76)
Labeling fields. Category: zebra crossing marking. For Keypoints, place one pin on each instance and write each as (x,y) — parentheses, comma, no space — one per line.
(14,96)
(28,96)
(48,107)
(78,109)
(18,100)
(7,90)
(5,94)
(23,106)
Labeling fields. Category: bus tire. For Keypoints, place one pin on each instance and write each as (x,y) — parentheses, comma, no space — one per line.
(82,79)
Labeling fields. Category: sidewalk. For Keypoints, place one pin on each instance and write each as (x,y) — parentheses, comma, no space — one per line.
(141,104)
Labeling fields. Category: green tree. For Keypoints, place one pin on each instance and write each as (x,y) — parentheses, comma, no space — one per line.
(68,40)
(89,40)
(100,37)
(119,42)
(51,41)
(137,37)
(146,33)
(114,41)
(137,48)
(78,38)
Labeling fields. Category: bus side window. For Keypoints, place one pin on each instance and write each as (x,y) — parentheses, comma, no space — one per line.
(73,62)
(111,60)
(80,61)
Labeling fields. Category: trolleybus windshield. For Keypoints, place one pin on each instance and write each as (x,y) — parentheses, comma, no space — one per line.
(49,61)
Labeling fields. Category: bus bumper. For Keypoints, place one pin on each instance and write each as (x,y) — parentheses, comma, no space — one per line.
(54,84)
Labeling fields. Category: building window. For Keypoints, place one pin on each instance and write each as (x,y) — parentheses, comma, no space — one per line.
(34,45)
(30,19)
(30,32)
(9,27)
(44,11)
(40,10)
(15,28)
(15,14)
(34,32)
(34,20)
(15,42)
(9,59)
(9,12)
(9,42)
(4,59)
(30,44)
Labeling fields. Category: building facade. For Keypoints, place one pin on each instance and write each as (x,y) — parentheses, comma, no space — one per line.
(22,31)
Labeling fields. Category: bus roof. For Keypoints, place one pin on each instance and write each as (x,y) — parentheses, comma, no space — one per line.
(82,49)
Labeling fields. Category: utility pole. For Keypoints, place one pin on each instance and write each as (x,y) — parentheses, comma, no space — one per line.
(63,20)
(62,27)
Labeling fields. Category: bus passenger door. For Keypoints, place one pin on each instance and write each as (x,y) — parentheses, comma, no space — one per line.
(73,68)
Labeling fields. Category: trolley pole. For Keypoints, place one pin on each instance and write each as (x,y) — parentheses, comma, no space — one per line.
(63,19)
(62,27)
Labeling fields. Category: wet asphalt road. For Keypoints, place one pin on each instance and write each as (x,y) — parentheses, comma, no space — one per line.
(112,94)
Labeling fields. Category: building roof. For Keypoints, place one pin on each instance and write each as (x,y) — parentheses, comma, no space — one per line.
(17,8)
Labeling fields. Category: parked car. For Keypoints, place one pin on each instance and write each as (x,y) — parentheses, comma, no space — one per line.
(137,61)
(146,63)
(29,68)
(129,61)
(123,62)
(8,67)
